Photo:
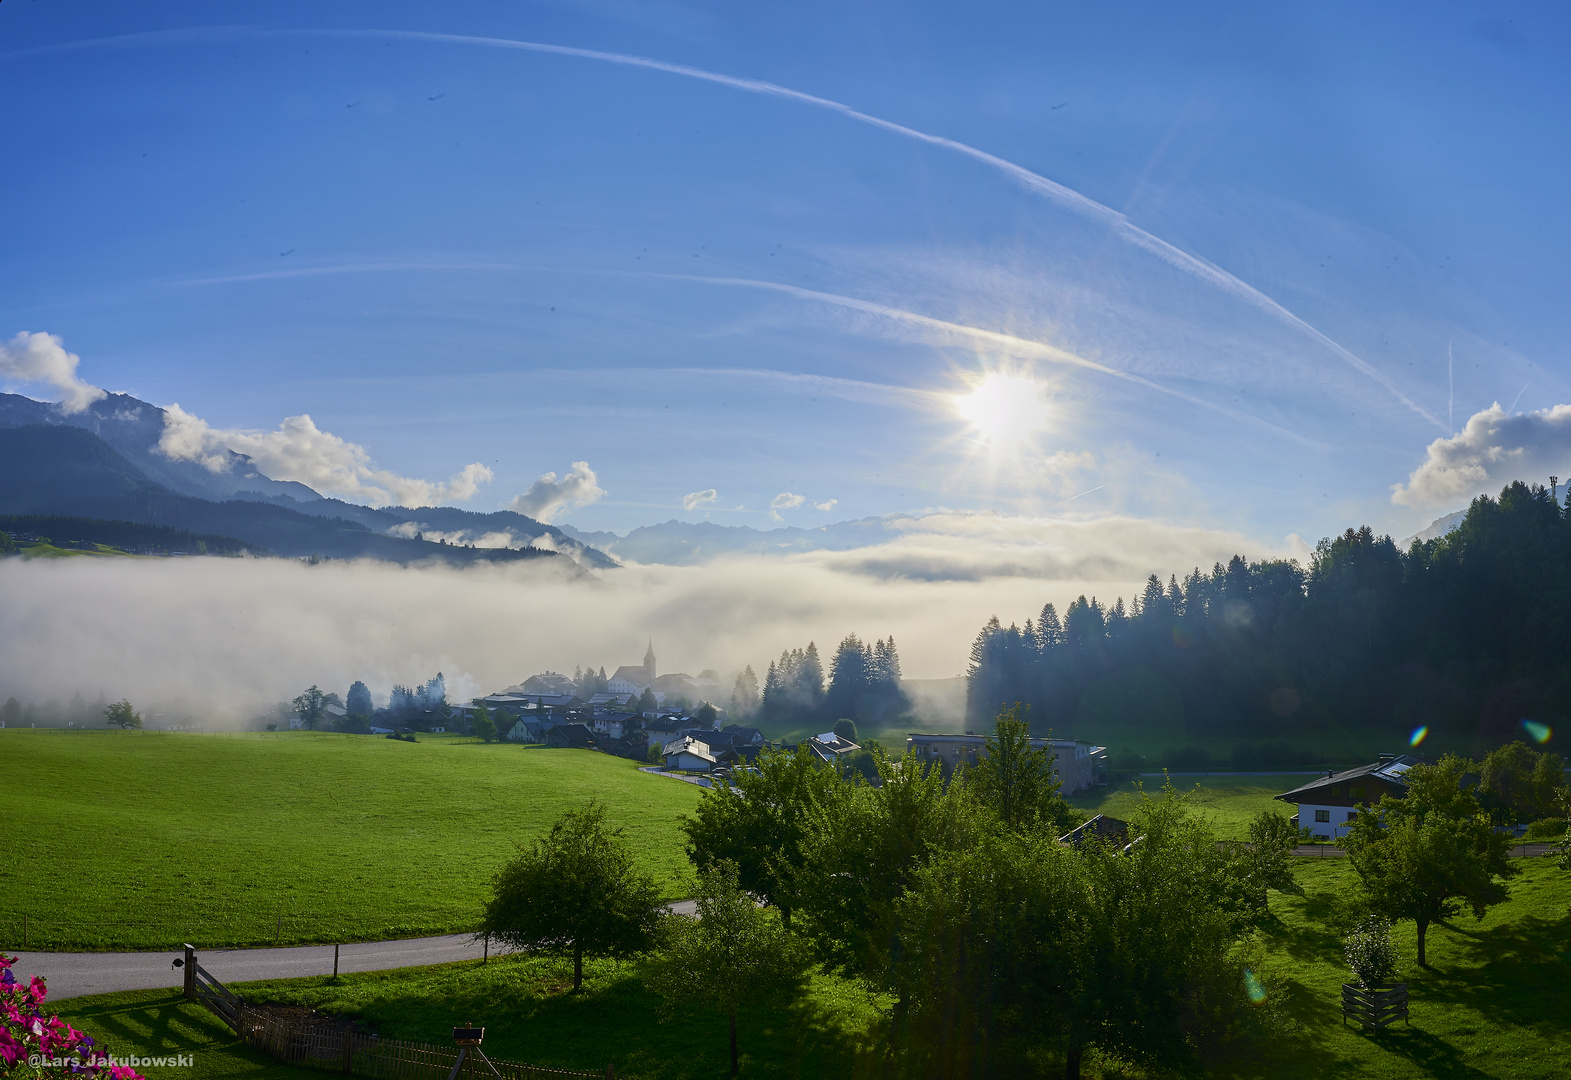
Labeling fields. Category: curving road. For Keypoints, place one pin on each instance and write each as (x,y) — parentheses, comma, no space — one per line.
(77,974)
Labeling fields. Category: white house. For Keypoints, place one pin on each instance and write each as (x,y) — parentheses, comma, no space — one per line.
(1328,804)
(688,755)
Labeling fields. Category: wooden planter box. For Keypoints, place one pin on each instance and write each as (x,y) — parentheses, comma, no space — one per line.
(1375,1006)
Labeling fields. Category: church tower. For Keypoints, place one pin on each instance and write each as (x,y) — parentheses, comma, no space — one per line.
(649,662)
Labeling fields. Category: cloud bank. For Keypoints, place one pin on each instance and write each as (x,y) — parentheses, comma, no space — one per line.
(549,496)
(41,358)
(1494,449)
(243,634)
(301,451)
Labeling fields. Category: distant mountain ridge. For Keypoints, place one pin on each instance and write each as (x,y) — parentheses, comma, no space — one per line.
(68,471)
(132,428)
(684,543)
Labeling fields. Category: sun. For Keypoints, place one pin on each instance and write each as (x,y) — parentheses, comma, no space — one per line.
(1007,411)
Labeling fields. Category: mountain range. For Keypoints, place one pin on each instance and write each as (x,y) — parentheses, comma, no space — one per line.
(104,462)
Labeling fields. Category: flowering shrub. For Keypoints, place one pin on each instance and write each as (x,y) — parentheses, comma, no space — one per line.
(50,1046)
(1370,951)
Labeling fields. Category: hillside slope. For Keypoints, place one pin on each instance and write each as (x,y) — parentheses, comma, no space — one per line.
(69,471)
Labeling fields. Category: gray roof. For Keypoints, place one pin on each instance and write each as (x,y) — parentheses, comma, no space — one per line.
(1391,769)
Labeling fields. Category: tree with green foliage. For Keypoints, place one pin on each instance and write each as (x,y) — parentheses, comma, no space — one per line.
(575,893)
(1017,781)
(861,849)
(647,704)
(1432,852)
(1518,784)
(846,729)
(731,954)
(11,711)
(1563,850)
(310,706)
(484,728)
(7,545)
(706,715)
(1016,948)
(744,694)
(759,821)
(120,714)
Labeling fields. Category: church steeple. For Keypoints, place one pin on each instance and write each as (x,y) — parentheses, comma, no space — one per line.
(649,661)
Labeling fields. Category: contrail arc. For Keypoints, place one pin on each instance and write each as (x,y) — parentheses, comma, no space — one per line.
(1067,197)
(1017,346)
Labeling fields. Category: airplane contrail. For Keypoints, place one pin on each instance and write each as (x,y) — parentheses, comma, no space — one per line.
(1067,197)
(1016,346)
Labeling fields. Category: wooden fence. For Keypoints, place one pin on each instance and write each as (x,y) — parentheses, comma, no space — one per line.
(1376,1006)
(308,1040)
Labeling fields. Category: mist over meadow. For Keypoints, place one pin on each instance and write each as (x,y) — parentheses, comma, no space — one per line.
(225,638)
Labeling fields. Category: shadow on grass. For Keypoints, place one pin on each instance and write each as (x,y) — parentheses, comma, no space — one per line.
(1430,1053)
(160,1023)
(1512,973)
(530,1016)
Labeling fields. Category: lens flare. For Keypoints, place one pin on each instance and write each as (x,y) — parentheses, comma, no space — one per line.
(1539,732)
(1007,411)
(1254,988)
(1418,735)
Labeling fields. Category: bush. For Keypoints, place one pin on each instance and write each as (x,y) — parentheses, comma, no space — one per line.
(1549,828)
(1370,952)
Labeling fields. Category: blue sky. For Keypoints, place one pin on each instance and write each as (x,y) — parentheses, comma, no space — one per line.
(1293,246)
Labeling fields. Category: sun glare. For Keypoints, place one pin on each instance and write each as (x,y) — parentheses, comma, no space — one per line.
(1008,411)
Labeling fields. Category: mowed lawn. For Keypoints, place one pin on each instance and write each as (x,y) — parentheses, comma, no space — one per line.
(1231,802)
(1491,1006)
(121,840)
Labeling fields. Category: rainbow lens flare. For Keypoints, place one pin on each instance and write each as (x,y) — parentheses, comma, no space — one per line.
(1253,987)
(1539,732)
(1418,735)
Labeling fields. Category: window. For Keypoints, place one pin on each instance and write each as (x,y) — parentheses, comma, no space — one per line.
(1336,793)
(1356,792)
(1351,814)
(1322,815)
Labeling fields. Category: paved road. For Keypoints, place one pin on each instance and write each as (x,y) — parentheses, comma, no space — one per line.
(1519,851)
(77,974)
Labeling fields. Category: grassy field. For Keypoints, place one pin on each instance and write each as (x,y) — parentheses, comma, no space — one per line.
(1231,802)
(1492,1006)
(147,839)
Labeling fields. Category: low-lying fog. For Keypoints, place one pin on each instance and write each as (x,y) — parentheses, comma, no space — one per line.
(231,637)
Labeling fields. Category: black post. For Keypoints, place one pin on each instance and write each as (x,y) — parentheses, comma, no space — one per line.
(335,960)
(190,971)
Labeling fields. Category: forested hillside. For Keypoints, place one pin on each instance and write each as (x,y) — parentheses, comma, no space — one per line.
(1466,634)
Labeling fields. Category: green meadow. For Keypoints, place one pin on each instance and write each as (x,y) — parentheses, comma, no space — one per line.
(143,840)
(1491,1007)
(1231,802)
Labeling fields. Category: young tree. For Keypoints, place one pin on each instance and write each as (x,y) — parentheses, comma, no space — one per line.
(484,728)
(846,729)
(647,703)
(759,825)
(1017,781)
(1430,853)
(120,714)
(575,893)
(706,715)
(733,954)
(1518,784)
(309,706)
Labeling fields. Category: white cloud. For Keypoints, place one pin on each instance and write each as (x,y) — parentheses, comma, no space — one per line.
(826,506)
(693,500)
(784,501)
(302,452)
(41,358)
(549,496)
(1494,449)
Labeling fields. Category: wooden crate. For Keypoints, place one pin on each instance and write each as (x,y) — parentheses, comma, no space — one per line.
(1374,1007)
